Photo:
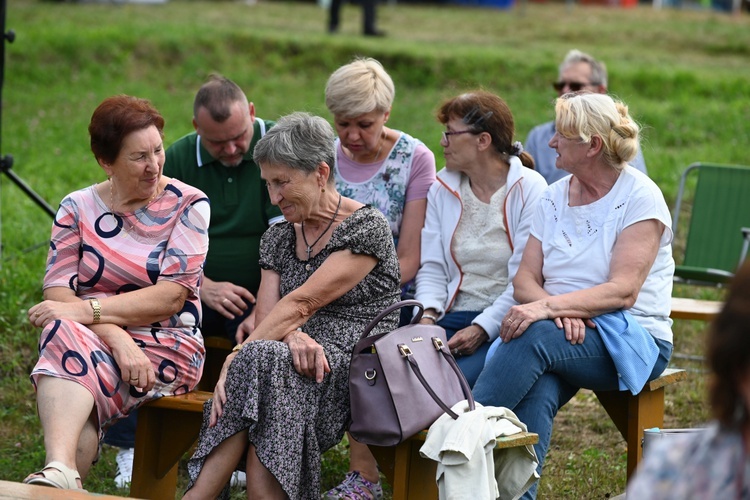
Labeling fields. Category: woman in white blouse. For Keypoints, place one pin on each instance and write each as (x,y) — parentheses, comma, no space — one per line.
(478,217)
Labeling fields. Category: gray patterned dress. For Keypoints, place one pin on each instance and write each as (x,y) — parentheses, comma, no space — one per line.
(290,418)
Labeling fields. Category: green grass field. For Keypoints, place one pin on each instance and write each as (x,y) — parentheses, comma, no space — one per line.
(684,73)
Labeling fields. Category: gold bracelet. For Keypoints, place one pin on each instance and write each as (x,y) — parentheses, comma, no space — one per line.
(97,307)
(237,347)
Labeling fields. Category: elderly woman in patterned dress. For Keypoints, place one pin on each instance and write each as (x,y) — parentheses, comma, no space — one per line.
(282,398)
(121,304)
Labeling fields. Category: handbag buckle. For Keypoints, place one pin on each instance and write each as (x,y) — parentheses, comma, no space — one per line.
(438,343)
(404,350)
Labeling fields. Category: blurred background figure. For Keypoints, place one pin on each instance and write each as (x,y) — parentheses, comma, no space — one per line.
(713,463)
(368,17)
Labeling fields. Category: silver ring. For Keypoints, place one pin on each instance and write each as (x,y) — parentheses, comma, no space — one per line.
(225,300)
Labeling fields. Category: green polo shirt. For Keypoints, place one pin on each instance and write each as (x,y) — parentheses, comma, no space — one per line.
(241,209)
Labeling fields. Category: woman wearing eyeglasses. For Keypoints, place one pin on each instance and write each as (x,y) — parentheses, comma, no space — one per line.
(478,218)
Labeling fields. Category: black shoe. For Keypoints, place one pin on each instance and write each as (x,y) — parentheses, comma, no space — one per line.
(374,33)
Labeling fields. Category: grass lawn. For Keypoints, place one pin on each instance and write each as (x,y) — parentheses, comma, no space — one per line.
(684,73)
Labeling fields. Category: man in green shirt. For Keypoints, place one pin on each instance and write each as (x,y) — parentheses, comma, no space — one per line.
(218,159)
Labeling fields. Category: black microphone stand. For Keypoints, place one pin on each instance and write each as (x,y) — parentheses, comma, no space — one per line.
(6,161)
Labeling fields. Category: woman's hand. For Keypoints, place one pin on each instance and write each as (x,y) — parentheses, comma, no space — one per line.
(307,355)
(468,340)
(50,310)
(575,328)
(520,317)
(135,367)
(220,394)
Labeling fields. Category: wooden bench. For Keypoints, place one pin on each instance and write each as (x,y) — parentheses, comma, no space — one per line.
(168,428)
(20,491)
(412,476)
(702,310)
(632,414)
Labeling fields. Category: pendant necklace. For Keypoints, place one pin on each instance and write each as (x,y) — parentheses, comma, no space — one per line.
(330,223)
(125,232)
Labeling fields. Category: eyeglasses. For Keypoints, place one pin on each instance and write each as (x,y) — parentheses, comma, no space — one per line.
(446,135)
(573,86)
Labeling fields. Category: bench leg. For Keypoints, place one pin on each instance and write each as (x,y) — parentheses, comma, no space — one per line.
(162,438)
(632,414)
(411,476)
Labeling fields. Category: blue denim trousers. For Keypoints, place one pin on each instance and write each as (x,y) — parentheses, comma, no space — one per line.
(537,373)
(471,365)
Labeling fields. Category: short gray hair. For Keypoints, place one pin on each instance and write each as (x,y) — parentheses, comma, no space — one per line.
(300,141)
(598,68)
(360,87)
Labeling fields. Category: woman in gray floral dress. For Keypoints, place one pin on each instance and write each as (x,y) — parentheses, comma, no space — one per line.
(282,398)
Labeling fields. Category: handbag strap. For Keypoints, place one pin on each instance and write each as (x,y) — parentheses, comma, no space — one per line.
(461,379)
(388,310)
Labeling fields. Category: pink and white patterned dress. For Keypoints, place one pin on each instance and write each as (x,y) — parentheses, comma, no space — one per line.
(98,253)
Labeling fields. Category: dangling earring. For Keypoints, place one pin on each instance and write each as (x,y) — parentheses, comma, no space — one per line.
(322,190)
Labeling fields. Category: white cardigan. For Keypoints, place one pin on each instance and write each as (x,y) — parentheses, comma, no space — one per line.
(439,275)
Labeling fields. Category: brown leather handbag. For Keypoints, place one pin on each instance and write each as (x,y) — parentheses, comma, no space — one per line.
(401,382)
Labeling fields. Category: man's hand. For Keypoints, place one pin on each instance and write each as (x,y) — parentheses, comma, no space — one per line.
(225,298)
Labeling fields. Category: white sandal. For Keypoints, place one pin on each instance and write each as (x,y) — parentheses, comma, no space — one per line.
(56,475)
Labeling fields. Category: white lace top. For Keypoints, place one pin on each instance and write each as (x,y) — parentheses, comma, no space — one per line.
(481,248)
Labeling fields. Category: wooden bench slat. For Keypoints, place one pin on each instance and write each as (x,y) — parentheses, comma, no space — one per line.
(697,309)
(20,491)
(669,376)
(519,439)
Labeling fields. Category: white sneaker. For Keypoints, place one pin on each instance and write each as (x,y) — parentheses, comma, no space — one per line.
(124,461)
(239,478)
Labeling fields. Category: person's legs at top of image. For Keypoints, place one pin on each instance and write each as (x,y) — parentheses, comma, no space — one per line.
(334,11)
(368,18)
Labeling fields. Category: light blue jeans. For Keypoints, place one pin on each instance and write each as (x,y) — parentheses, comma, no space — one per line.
(537,373)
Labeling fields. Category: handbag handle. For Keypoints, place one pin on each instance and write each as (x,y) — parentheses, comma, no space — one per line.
(388,310)
(461,380)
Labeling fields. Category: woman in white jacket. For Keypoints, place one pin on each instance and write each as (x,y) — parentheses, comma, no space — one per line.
(478,218)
